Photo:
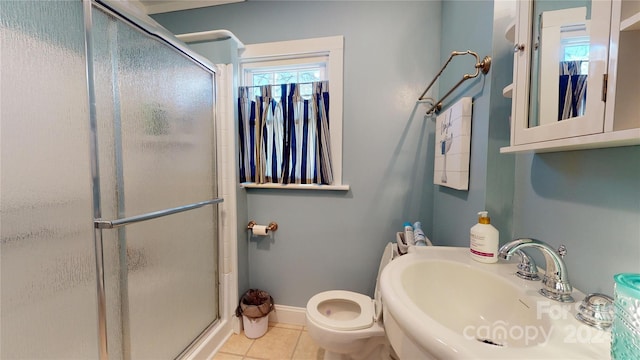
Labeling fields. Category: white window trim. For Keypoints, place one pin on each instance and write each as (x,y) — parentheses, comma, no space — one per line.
(333,47)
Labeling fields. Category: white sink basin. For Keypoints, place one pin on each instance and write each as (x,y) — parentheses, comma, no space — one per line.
(440,304)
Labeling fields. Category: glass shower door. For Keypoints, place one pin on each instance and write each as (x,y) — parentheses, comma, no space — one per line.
(154,110)
(155,150)
(47,261)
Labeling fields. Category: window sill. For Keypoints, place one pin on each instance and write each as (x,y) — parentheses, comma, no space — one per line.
(295,186)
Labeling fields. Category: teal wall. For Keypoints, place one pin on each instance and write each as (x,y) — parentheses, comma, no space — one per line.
(478,26)
(334,240)
(588,200)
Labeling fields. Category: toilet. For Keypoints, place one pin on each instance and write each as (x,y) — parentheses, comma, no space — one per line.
(348,325)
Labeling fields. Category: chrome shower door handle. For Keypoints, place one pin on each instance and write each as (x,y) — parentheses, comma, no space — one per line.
(111,224)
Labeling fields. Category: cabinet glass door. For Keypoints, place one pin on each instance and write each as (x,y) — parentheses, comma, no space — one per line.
(560,62)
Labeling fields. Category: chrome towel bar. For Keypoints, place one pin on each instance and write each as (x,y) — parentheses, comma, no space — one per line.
(111,224)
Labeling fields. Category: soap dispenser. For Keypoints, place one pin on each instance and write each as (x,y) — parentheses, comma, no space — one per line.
(484,240)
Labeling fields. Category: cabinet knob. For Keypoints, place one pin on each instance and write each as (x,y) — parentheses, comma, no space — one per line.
(518,47)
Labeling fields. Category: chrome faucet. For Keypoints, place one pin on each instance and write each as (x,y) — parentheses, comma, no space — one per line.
(556,278)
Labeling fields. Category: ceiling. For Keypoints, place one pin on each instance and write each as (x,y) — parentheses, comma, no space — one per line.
(162,6)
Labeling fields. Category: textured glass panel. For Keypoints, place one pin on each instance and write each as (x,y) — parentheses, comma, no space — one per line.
(171,282)
(48,279)
(155,122)
(166,104)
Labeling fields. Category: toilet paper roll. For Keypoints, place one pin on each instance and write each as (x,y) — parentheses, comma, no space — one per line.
(260,230)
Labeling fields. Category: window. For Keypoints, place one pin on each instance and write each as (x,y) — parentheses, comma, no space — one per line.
(276,73)
(302,62)
(574,44)
(286,76)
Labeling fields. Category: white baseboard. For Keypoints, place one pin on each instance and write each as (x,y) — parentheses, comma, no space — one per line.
(288,315)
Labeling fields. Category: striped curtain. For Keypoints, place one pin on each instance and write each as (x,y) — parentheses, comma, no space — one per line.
(573,90)
(284,140)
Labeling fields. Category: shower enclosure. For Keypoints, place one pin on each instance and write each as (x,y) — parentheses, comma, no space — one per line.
(109,239)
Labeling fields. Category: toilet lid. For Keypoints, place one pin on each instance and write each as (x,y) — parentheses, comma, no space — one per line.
(360,318)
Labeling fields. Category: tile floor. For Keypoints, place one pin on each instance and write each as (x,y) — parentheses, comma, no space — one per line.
(281,342)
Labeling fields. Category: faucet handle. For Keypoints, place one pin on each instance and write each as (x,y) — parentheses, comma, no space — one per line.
(527,268)
(596,310)
(562,251)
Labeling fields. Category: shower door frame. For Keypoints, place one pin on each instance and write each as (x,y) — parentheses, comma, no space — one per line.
(99,224)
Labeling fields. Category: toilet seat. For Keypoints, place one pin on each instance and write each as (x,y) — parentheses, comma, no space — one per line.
(364,319)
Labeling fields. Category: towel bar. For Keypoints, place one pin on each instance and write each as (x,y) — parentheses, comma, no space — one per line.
(484,66)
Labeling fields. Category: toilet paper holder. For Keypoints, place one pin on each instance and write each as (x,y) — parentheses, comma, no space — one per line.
(273,226)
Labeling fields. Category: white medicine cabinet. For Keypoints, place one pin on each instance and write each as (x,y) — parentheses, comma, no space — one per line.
(576,75)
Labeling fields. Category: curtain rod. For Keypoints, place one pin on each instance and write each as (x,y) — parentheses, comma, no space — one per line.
(297,83)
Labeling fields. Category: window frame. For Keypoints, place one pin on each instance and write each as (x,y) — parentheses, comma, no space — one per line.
(331,48)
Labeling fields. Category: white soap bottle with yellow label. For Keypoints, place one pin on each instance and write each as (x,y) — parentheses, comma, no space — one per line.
(484,240)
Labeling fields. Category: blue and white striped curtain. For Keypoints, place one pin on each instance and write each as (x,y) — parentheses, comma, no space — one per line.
(284,140)
(573,90)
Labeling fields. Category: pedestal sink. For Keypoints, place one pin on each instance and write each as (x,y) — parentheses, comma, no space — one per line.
(438,303)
